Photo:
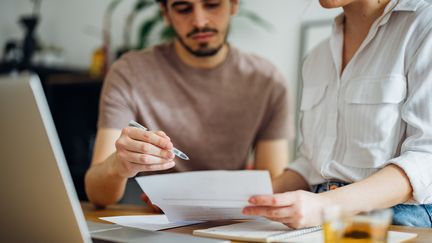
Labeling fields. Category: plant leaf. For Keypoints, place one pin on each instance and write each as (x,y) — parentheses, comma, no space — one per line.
(143,4)
(146,29)
(113,4)
(167,33)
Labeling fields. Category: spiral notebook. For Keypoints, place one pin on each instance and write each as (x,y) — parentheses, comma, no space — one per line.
(255,231)
(268,231)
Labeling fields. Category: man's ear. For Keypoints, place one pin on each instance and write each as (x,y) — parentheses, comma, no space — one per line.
(234,7)
(165,15)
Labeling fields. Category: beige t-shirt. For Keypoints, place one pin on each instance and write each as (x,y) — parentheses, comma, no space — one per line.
(213,115)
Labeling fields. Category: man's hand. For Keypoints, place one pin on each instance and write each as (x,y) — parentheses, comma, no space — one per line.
(296,209)
(138,150)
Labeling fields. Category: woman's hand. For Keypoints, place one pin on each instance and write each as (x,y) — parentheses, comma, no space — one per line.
(296,209)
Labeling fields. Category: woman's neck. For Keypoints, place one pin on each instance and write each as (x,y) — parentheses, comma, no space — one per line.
(358,19)
(361,14)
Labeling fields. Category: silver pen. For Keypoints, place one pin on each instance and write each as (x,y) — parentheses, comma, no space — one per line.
(177,152)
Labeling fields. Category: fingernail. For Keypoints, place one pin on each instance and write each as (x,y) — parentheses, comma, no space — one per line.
(252,200)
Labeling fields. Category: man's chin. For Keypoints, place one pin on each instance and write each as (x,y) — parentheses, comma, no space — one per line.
(202,49)
(205,53)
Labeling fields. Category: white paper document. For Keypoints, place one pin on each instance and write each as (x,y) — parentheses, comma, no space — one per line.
(205,195)
(147,222)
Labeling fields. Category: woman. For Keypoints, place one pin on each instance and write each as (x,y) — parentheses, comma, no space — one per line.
(367,119)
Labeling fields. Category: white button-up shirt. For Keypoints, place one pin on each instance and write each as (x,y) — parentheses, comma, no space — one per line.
(378,111)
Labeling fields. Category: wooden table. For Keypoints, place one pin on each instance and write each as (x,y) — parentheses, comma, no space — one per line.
(92,214)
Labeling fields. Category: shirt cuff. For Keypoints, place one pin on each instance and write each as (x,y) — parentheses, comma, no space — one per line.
(418,167)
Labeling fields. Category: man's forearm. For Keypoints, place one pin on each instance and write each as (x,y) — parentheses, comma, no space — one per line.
(272,155)
(103,186)
(386,188)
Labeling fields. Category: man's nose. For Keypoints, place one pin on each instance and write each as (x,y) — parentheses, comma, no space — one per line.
(200,18)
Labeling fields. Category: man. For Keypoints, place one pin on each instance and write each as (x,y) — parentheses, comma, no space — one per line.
(212,101)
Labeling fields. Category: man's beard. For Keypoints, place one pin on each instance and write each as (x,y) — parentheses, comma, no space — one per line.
(203,49)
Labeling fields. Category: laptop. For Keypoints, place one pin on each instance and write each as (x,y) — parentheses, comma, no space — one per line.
(38,200)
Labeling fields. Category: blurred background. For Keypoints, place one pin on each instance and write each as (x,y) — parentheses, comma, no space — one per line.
(70,45)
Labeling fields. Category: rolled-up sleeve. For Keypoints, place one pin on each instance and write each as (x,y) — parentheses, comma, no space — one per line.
(116,106)
(416,150)
(303,167)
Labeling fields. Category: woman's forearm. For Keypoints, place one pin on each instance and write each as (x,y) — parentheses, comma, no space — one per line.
(386,188)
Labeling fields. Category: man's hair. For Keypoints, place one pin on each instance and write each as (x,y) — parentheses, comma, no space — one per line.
(164,2)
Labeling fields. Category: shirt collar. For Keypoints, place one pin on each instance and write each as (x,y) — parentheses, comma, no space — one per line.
(407,5)
(392,6)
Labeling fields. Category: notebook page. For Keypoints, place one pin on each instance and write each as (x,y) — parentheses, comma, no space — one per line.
(257,231)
